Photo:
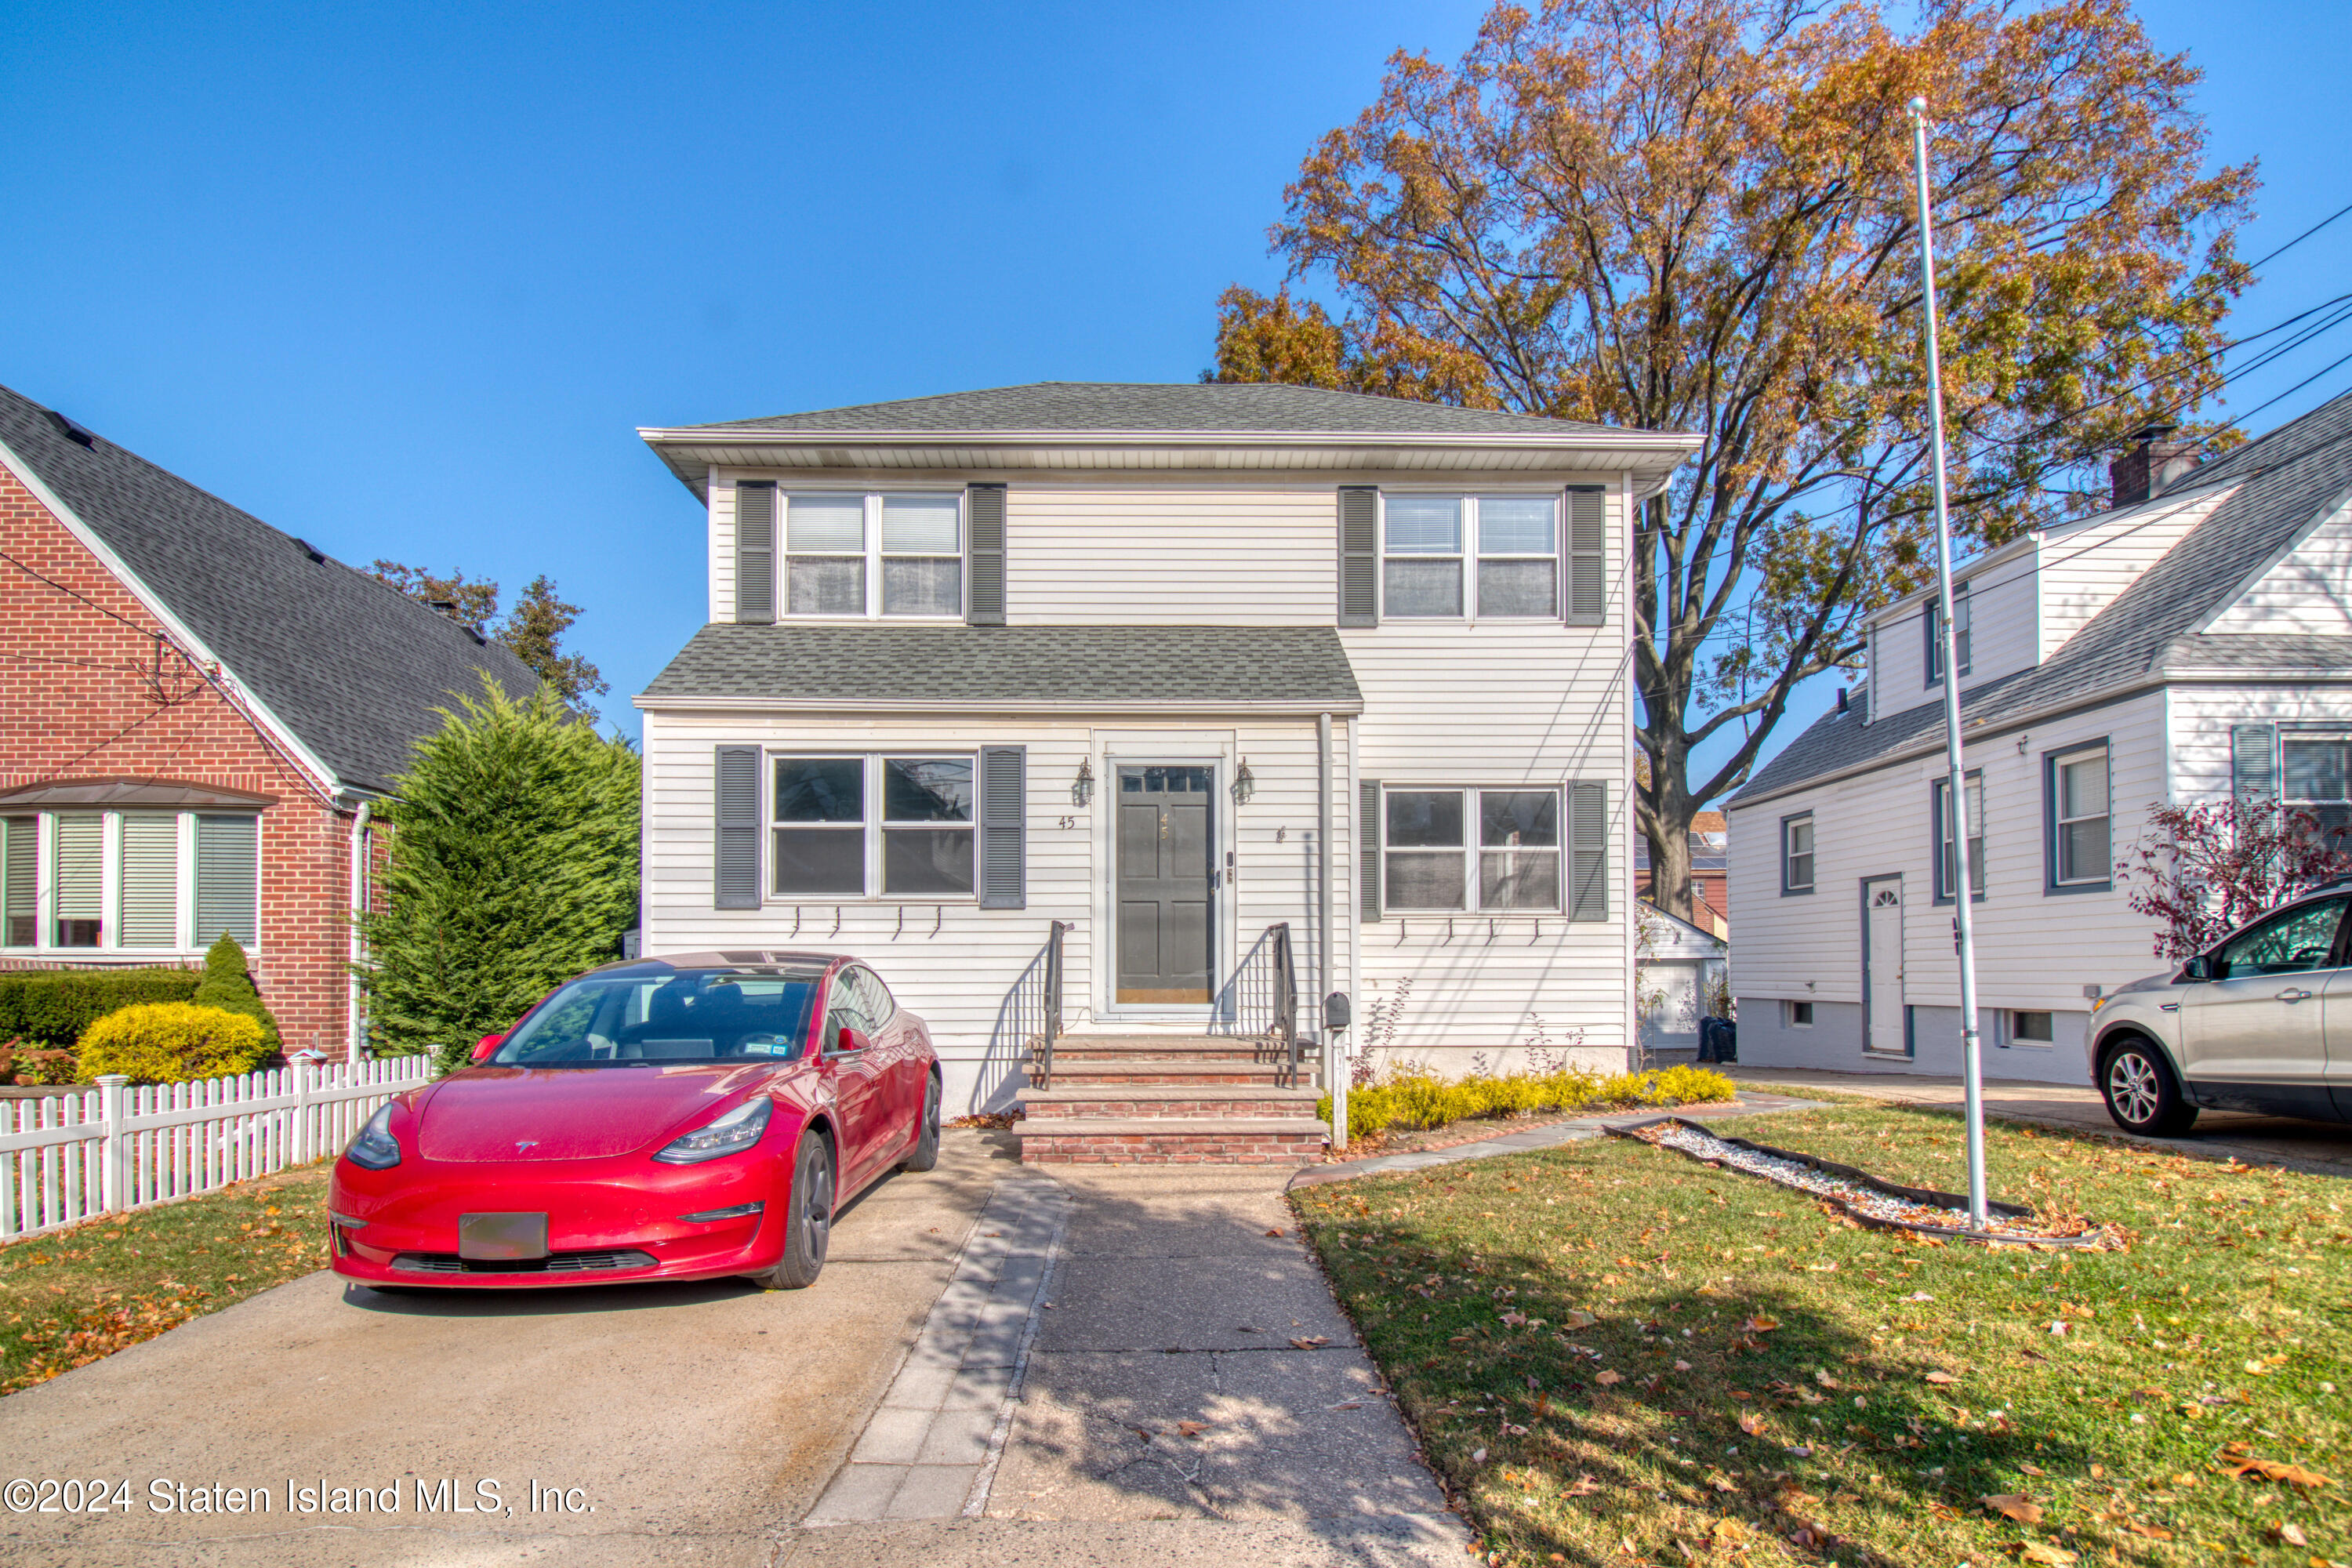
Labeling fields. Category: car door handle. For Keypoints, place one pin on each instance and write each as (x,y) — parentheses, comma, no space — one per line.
(2168,1007)
(2296,994)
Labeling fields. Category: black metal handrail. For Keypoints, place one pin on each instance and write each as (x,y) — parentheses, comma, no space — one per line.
(1043,1055)
(1285,993)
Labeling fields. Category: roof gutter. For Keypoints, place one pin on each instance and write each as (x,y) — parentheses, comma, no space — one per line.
(666,703)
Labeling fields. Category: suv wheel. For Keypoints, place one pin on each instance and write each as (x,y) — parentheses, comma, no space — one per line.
(2142,1092)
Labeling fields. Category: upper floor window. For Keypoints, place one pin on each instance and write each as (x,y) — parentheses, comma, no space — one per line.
(2080,819)
(1797,853)
(1472,850)
(97,880)
(1947,876)
(1431,545)
(897,825)
(867,555)
(1934,621)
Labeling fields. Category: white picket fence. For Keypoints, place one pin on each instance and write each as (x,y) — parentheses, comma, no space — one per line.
(120,1145)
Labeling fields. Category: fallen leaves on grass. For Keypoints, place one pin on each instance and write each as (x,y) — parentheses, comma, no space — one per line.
(2288,1533)
(1610,1379)
(2014,1505)
(100,1330)
(2275,1470)
(1190,1429)
(2043,1551)
(1942,1379)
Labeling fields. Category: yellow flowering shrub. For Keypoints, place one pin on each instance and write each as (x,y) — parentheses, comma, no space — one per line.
(1421,1099)
(171,1042)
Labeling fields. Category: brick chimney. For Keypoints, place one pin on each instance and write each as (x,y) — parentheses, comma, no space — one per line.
(2150,469)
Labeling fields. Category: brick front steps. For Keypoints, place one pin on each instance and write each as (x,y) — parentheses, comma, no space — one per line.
(1169,1100)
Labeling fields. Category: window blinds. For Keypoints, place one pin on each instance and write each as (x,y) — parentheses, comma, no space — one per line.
(228,864)
(151,882)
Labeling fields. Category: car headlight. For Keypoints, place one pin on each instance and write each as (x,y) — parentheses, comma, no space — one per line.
(376,1148)
(731,1134)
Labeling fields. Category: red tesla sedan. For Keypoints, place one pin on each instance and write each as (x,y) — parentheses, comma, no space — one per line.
(680,1118)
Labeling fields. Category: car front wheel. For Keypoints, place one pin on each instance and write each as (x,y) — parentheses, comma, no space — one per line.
(808,1218)
(2142,1092)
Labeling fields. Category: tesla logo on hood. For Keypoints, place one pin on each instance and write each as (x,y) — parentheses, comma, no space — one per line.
(523,1143)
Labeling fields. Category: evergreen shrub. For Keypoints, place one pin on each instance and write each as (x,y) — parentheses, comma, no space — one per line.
(52,1007)
(512,867)
(228,985)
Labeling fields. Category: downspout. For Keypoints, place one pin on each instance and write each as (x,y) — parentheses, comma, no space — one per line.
(1335,1072)
(351,1042)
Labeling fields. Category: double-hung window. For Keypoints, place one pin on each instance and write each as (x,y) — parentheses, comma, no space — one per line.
(1934,617)
(93,880)
(1427,541)
(896,827)
(859,555)
(1472,850)
(1947,876)
(1796,853)
(2080,819)
(2318,770)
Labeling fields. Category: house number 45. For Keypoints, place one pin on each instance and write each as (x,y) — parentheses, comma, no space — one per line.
(1066,822)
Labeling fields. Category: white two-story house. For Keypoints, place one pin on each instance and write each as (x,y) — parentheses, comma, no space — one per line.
(1090,698)
(2188,644)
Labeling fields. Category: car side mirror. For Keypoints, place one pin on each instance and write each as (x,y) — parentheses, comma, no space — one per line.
(485,1044)
(2198,968)
(849,1039)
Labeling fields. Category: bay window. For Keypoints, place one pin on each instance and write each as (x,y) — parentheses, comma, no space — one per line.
(1427,541)
(861,555)
(900,826)
(101,881)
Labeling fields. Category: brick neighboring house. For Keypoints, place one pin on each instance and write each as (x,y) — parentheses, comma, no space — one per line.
(1710,855)
(199,713)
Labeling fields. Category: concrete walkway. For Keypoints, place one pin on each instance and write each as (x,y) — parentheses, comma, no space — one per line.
(1188,1387)
(2320,1147)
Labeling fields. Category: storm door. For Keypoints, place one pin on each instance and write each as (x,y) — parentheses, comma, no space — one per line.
(1164,924)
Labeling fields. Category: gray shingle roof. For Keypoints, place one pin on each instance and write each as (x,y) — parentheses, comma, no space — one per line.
(1187,407)
(957,667)
(2285,480)
(351,667)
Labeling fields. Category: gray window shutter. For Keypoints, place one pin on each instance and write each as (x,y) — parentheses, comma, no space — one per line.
(737,790)
(1004,827)
(1368,849)
(228,864)
(755,552)
(1588,840)
(2253,767)
(985,503)
(1359,556)
(1588,556)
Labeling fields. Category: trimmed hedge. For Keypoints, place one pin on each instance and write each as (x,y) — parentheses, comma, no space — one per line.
(172,1042)
(53,1007)
(1424,1099)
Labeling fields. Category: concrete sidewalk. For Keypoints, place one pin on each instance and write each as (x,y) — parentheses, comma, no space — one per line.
(1183,1383)
(2321,1148)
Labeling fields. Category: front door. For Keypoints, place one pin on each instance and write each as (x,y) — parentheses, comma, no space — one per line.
(1883,1033)
(1164,921)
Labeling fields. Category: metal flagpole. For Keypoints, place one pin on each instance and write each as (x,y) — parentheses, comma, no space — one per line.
(1956,792)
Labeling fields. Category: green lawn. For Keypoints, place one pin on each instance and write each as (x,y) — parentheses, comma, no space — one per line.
(79,1294)
(1774,1382)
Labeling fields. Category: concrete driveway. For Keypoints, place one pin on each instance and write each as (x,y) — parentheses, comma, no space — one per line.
(2321,1148)
(674,1423)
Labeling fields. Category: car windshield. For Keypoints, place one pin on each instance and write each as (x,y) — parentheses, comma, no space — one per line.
(690,1016)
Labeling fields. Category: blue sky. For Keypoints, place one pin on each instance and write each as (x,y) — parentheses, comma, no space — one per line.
(405,280)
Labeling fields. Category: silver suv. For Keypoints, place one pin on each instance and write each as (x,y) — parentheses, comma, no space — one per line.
(2248,1025)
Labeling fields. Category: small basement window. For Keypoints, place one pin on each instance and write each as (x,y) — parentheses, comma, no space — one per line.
(1800,1015)
(2026,1028)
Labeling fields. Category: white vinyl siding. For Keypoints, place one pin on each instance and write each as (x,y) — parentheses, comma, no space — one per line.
(2305,592)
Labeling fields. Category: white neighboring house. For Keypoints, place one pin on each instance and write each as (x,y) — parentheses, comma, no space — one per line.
(2190,642)
(1173,665)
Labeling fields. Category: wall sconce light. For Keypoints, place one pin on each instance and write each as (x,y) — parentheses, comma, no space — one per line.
(1244,784)
(1082,788)
(2021,745)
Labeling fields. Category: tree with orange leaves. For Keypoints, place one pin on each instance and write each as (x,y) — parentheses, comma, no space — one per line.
(1697,215)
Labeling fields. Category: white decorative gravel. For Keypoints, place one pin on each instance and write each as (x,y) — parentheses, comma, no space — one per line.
(1854,1196)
